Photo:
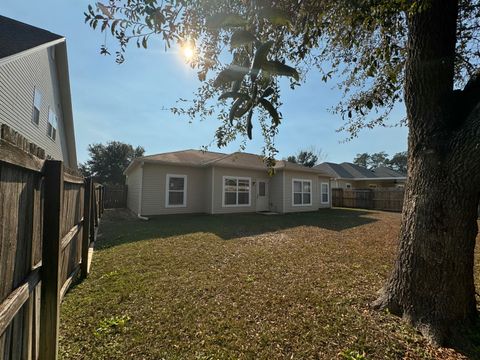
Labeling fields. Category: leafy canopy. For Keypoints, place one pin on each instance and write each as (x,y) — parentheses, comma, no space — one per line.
(362,43)
(108,161)
(397,162)
(308,157)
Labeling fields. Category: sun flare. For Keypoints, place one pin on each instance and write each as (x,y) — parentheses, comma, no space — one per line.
(188,52)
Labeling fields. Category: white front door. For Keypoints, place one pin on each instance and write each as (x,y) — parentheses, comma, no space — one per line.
(262,195)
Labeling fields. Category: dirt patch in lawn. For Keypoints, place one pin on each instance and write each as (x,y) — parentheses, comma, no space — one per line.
(240,287)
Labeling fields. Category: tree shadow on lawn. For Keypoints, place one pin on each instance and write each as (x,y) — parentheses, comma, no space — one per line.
(118,227)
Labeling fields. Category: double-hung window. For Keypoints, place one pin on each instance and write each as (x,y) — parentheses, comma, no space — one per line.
(52,124)
(37,103)
(324,193)
(302,192)
(176,194)
(236,191)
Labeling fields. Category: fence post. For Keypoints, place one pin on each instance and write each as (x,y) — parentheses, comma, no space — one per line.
(96,191)
(87,207)
(51,253)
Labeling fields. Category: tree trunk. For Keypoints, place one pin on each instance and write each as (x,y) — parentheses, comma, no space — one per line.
(432,284)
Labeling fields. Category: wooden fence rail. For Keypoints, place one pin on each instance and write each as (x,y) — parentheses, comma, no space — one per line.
(46,219)
(388,199)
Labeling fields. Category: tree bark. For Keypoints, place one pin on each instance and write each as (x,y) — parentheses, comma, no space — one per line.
(432,284)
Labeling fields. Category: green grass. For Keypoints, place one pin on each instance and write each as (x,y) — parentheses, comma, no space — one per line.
(240,287)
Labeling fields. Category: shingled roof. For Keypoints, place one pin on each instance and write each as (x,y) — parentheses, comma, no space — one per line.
(351,171)
(200,158)
(17,37)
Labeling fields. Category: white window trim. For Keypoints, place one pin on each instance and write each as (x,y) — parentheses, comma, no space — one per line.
(249,191)
(50,110)
(321,193)
(293,192)
(35,90)
(167,190)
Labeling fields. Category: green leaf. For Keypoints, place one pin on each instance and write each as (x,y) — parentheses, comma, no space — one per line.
(278,68)
(233,95)
(369,104)
(249,124)
(260,58)
(223,20)
(268,91)
(105,11)
(242,37)
(240,107)
(232,73)
(234,109)
(276,16)
(271,110)
(242,110)
(144,42)
(236,85)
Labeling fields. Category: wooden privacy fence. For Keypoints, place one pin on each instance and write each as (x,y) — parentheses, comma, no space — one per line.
(389,199)
(47,227)
(115,196)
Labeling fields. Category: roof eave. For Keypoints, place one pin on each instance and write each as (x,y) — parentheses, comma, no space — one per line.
(21,54)
(66,100)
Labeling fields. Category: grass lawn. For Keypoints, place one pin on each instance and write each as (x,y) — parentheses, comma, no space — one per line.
(240,287)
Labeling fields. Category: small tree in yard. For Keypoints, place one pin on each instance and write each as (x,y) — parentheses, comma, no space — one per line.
(425,52)
(108,161)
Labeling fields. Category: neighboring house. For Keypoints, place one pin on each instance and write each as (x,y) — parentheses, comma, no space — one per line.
(351,176)
(193,181)
(35,90)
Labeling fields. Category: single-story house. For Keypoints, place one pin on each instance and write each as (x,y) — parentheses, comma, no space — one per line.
(35,88)
(350,176)
(194,181)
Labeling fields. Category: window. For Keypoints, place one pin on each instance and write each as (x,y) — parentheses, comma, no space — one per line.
(37,103)
(176,194)
(372,186)
(324,193)
(236,191)
(348,185)
(52,124)
(262,188)
(302,192)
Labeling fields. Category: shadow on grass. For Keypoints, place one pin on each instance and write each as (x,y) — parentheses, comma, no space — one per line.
(119,227)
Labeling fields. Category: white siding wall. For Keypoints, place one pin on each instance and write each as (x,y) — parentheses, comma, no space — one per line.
(134,181)
(316,181)
(154,189)
(276,192)
(18,79)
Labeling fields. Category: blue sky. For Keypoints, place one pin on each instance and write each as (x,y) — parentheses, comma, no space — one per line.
(125,102)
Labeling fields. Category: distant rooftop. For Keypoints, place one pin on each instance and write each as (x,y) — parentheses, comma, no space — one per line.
(16,37)
(347,170)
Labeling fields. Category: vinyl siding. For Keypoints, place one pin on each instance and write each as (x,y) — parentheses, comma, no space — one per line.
(219,173)
(380,183)
(316,181)
(134,180)
(18,79)
(209,189)
(154,189)
(276,192)
(364,184)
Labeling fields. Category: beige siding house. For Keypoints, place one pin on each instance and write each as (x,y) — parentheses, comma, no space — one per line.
(193,181)
(351,176)
(35,90)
